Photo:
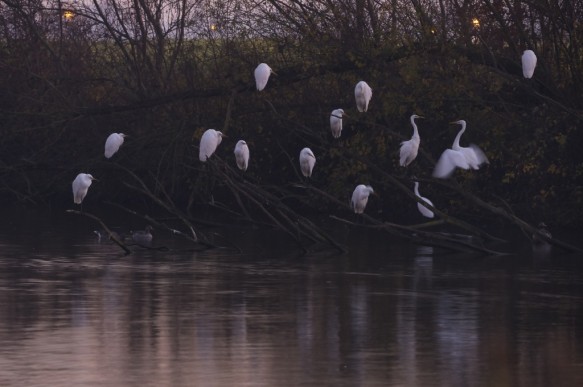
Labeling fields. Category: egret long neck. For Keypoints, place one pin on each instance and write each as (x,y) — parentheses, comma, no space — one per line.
(417,189)
(415,131)
(456,142)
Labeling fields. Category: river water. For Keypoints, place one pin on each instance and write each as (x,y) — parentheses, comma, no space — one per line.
(76,312)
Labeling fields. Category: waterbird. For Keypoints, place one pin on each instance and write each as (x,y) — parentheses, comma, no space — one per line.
(410,148)
(307,162)
(242,155)
(422,209)
(81,185)
(459,157)
(336,122)
(262,73)
(143,237)
(209,142)
(528,63)
(112,144)
(360,198)
(363,94)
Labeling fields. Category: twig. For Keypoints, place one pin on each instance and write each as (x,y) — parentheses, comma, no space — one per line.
(271,206)
(229,110)
(167,206)
(448,218)
(409,232)
(111,234)
(424,237)
(162,225)
(512,218)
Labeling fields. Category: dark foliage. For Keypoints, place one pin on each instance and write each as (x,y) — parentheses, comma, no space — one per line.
(165,71)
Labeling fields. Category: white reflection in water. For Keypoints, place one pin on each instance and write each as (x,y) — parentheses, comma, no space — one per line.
(423,267)
(359,311)
(406,339)
(456,334)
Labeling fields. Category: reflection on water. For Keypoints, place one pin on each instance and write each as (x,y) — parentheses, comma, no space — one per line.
(75,312)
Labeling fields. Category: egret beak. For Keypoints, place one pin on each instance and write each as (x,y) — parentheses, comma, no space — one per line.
(94,179)
(273,72)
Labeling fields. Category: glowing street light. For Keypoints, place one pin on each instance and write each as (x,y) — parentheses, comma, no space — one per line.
(476,22)
(68,15)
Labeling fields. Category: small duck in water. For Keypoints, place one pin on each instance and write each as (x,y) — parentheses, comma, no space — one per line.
(537,237)
(143,237)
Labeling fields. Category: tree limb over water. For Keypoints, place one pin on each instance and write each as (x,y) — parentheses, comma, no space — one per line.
(111,235)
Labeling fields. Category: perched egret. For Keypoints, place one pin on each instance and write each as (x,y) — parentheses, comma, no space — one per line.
(143,237)
(410,148)
(528,63)
(80,186)
(360,198)
(422,209)
(209,142)
(242,155)
(307,162)
(537,237)
(262,73)
(459,157)
(112,144)
(363,94)
(336,122)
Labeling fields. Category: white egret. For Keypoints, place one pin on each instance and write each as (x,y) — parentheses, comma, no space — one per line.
(262,73)
(242,155)
(113,142)
(410,148)
(80,186)
(307,161)
(528,63)
(209,142)
(422,209)
(363,94)
(360,198)
(143,237)
(459,157)
(336,122)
